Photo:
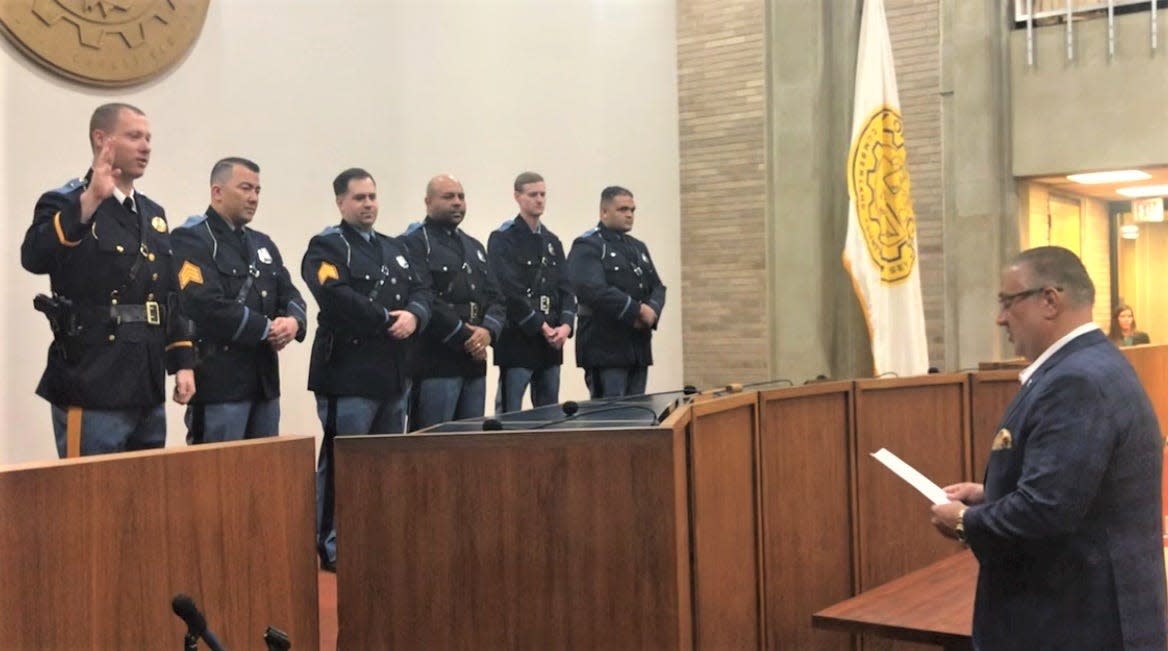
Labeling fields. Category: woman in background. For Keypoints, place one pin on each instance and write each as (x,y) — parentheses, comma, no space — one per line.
(1123,328)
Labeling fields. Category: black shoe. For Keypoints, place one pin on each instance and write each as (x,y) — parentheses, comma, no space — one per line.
(329,566)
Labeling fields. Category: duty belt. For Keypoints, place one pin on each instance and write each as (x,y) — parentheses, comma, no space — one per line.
(471,312)
(150,312)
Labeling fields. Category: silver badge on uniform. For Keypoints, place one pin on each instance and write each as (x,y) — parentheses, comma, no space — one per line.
(482,258)
(644,256)
(263,255)
(401,261)
(551,250)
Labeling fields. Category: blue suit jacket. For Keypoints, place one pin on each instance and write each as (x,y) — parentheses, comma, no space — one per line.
(1069,539)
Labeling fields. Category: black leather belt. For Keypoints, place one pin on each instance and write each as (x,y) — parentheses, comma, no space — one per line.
(471,312)
(150,313)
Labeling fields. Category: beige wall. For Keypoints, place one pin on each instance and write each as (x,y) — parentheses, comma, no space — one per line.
(1091,113)
(1142,270)
(584,92)
(1092,245)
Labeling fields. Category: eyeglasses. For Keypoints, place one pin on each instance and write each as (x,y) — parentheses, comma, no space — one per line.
(1006,301)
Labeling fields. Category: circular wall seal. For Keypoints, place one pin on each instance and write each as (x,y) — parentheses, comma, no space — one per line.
(879,186)
(110,43)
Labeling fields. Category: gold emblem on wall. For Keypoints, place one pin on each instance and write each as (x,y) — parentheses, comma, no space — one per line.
(878,183)
(110,43)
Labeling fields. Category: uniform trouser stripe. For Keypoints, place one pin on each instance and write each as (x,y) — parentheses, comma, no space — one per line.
(73,432)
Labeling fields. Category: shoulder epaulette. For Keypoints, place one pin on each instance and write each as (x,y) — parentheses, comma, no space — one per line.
(72,185)
(590,232)
(330,230)
(506,225)
(412,227)
(193,221)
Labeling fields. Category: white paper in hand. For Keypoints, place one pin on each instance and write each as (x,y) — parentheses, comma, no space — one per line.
(911,475)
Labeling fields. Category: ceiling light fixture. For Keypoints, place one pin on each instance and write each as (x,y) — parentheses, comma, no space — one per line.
(1137,191)
(1114,176)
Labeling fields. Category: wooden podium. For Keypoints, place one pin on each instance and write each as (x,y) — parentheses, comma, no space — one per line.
(727,526)
(95,548)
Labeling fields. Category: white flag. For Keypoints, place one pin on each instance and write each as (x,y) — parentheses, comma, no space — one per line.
(881,249)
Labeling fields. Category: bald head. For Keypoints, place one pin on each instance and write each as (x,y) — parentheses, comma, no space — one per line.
(445,200)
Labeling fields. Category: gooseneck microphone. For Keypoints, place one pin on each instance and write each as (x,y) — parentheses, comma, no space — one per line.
(572,411)
(492,425)
(185,608)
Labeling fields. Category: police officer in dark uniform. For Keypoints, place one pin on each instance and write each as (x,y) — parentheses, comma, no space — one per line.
(468,311)
(373,302)
(527,260)
(234,286)
(106,249)
(621,297)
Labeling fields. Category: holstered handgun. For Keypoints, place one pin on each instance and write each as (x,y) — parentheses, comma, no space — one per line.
(59,312)
(62,321)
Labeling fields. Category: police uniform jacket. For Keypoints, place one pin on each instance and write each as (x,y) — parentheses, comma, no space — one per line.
(231,283)
(531,272)
(613,276)
(117,272)
(357,283)
(465,293)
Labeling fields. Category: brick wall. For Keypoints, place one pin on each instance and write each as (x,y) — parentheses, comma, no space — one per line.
(721,104)
(914,28)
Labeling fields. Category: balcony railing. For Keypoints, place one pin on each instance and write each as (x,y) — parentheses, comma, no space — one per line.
(1039,13)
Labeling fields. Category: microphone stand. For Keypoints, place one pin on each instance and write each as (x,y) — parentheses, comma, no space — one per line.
(190,642)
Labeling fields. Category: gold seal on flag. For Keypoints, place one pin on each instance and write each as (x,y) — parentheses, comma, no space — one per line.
(879,187)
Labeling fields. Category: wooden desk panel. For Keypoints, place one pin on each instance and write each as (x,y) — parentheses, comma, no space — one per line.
(1151,364)
(724,510)
(924,421)
(519,540)
(990,395)
(806,460)
(95,548)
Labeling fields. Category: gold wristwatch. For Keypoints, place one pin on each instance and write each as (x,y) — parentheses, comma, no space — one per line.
(959,528)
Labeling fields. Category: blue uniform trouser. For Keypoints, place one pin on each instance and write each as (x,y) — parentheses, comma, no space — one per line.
(443,399)
(232,421)
(616,381)
(513,382)
(101,431)
(345,416)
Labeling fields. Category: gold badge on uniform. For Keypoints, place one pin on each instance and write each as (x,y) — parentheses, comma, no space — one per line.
(189,273)
(327,270)
(1003,440)
(159,224)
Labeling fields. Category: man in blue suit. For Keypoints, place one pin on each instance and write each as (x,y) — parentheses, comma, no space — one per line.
(1067,526)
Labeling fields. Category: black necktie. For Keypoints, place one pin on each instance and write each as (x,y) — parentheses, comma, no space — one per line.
(128,202)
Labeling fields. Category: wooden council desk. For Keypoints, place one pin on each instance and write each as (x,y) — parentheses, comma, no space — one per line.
(933,605)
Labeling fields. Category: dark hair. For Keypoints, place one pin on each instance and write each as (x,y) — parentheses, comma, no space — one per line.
(106,116)
(1116,332)
(612,192)
(1059,267)
(221,170)
(525,178)
(341,183)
